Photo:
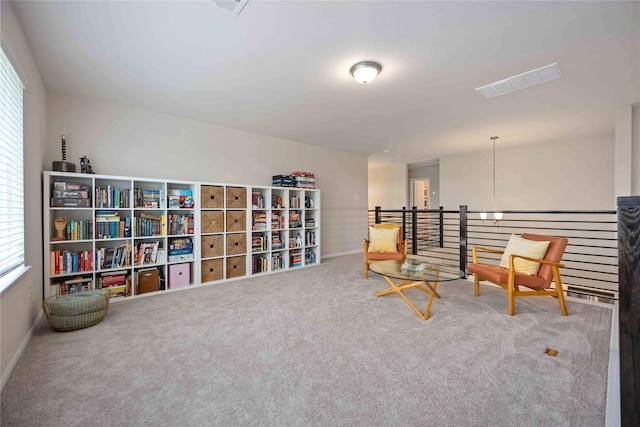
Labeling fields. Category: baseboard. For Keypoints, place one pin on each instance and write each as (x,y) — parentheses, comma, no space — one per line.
(359,251)
(18,354)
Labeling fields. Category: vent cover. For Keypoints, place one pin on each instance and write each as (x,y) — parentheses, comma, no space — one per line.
(521,81)
(232,6)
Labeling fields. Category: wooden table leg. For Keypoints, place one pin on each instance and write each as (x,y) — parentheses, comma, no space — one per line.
(405,284)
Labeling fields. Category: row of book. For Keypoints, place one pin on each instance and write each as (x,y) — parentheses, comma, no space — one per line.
(260,264)
(276,240)
(294,219)
(118,283)
(147,225)
(73,285)
(70,194)
(303,179)
(295,258)
(257,200)
(146,253)
(180,198)
(277,201)
(61,262)
(148,198)
(259,243)
(180,250)
(278,221)
(310,238)
(180,224)
(309,256)
(259,221)
(79,230)
(109,225)
(118,257)
(111,197)
(277,261)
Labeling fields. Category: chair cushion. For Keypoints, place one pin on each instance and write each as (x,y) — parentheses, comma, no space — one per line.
(496,274)
(530,248)
(383,239)
(385,255)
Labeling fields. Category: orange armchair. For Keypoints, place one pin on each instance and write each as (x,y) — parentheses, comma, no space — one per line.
(378,247)
(511,280)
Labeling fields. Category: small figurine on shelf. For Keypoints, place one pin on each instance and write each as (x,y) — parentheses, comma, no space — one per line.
(298,241)
(60,225)
(85,165)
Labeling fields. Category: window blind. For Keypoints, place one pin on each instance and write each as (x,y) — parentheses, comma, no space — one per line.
(11,168)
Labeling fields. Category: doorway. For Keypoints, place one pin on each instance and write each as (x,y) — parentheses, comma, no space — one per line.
(420,193)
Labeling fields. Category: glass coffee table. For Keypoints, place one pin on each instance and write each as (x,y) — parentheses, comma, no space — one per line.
(418,274)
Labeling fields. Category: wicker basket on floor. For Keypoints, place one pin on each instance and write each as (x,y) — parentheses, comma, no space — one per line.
(76,311)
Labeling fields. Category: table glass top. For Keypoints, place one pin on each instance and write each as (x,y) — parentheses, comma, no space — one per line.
(415,270)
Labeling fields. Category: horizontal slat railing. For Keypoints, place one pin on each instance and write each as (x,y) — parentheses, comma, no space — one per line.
(447,237)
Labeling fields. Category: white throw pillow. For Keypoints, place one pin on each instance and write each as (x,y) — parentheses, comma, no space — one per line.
(383,239)
(530,248)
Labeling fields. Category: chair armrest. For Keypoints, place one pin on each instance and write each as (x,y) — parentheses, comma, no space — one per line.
(482,248)
(541,261)
(365,245)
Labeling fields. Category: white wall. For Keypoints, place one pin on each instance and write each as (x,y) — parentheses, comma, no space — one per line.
(388,187)
(121,140)
(566,175)
(20,304)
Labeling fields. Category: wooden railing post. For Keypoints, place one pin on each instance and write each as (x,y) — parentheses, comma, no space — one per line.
(629,310)
(463,241)
(441,227)
(377,215)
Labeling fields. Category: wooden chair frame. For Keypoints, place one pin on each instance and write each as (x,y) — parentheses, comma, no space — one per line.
(513,289)
(400,255)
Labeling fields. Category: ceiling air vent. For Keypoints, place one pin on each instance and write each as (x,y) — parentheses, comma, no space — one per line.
(232,6)
(521,81)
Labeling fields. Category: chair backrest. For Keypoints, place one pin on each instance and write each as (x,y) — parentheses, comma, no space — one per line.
(391,226)
(557,245)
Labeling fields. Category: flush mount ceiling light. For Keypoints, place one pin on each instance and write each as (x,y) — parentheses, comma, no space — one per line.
(365,72)
(521,81)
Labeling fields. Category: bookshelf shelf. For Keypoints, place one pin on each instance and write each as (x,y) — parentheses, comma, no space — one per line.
(115,230)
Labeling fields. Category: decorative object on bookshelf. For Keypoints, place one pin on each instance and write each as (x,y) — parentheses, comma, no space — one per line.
(60,225)
(85,165)
(63,166)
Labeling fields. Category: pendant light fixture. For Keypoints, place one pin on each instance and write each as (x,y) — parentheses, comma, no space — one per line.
(497,216)
(365,72)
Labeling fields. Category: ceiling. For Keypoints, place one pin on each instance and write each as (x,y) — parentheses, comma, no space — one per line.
(281,68)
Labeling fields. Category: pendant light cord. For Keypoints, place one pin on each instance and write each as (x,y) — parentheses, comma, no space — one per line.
(493,138)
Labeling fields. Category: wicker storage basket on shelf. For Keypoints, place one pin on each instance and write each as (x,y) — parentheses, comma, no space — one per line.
(76,311)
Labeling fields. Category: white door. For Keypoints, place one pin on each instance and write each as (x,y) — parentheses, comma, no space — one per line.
(420,193)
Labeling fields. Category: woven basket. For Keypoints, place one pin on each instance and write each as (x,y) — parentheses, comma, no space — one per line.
(77,311)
